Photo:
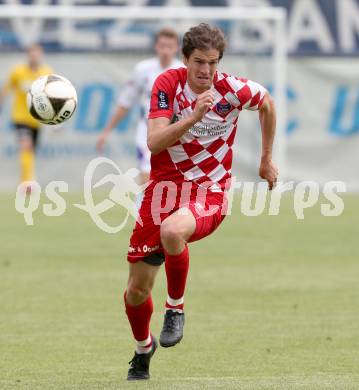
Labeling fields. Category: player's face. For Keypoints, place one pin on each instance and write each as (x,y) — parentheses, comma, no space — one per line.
(201,67)
(34,54)
(166,49)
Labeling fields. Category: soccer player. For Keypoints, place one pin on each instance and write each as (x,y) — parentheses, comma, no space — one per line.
(138,91)
(26,127)
(191,130)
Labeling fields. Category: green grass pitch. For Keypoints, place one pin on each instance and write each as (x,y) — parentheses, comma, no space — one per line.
(271,303)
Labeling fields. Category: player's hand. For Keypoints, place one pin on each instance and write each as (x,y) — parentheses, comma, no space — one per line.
(204,102)
(101,142)
(268,171)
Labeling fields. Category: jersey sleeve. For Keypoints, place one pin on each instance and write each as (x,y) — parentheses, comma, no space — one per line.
(131,90)
(162,96)
(250,94)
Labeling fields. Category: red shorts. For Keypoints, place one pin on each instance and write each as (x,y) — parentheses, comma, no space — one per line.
(162,199)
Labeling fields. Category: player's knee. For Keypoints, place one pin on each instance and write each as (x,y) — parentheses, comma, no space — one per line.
(137,294)
(170,233)
(26,145)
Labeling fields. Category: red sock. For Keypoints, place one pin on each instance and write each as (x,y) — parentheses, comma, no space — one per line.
(176,271)
(139,318)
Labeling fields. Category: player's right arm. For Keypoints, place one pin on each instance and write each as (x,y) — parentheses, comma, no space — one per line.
(7,87)
(119,114)
(161,133)
(128,98)
(3,94)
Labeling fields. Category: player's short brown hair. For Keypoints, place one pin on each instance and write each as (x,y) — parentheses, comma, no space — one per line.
(166,32)
(203,37)
(35,46)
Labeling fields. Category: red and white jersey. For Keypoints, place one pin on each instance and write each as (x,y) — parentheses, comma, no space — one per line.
(204,153)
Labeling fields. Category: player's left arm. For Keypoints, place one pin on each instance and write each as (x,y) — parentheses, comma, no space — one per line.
(256,98)
(267,116)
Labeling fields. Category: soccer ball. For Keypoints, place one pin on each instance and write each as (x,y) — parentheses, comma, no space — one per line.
(52,99)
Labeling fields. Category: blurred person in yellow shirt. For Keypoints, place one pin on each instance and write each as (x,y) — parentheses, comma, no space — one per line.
(27,128)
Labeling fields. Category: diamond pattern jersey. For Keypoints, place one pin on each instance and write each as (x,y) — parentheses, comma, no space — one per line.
(204,153)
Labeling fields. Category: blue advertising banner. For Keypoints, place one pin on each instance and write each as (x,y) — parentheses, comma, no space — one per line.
(315,27)
(322,120)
